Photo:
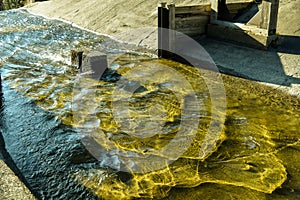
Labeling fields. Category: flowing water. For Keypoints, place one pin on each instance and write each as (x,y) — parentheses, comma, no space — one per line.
(74,137)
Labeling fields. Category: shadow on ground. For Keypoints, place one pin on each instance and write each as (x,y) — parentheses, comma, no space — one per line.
(278,65)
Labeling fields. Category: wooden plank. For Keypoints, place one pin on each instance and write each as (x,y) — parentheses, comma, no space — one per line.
(192,18)
(192,22)
(76,57)
(190,15)
(273,17)
(214,11)
(163,37)
(234,7)
(193,31)
(171,8)
(171,27)
(265,15)
(239,1)
(187,26)
(193,9)
(269,16)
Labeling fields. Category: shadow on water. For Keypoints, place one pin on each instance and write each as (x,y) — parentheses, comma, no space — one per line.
(4,155)
(42,148)
(45,151)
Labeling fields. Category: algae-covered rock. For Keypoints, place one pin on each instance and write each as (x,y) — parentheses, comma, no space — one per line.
(215,191)
(262,173)
(244,154)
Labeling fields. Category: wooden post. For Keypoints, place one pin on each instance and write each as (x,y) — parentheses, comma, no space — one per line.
(214,11)
(265,16)
(172,34)
(1,5)
(273,17)
(76,58)
(269,16)
(29,2)
(163,26)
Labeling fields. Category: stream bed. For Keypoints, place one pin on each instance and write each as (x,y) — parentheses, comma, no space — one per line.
(117,137)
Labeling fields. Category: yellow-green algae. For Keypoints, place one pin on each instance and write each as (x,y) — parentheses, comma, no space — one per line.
(258,147)
(261,123)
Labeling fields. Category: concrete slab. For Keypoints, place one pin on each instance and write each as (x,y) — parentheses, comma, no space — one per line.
(11,188)
(278,68)
(239,35)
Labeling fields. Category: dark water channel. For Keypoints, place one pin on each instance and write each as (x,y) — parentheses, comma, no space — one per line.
(257,154)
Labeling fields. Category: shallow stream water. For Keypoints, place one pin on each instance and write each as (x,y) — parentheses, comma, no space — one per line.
(69,134)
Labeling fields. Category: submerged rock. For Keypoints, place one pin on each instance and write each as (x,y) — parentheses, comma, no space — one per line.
(244,154)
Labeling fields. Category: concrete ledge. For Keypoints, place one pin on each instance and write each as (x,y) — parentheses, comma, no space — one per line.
(10,185)
(13,185)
